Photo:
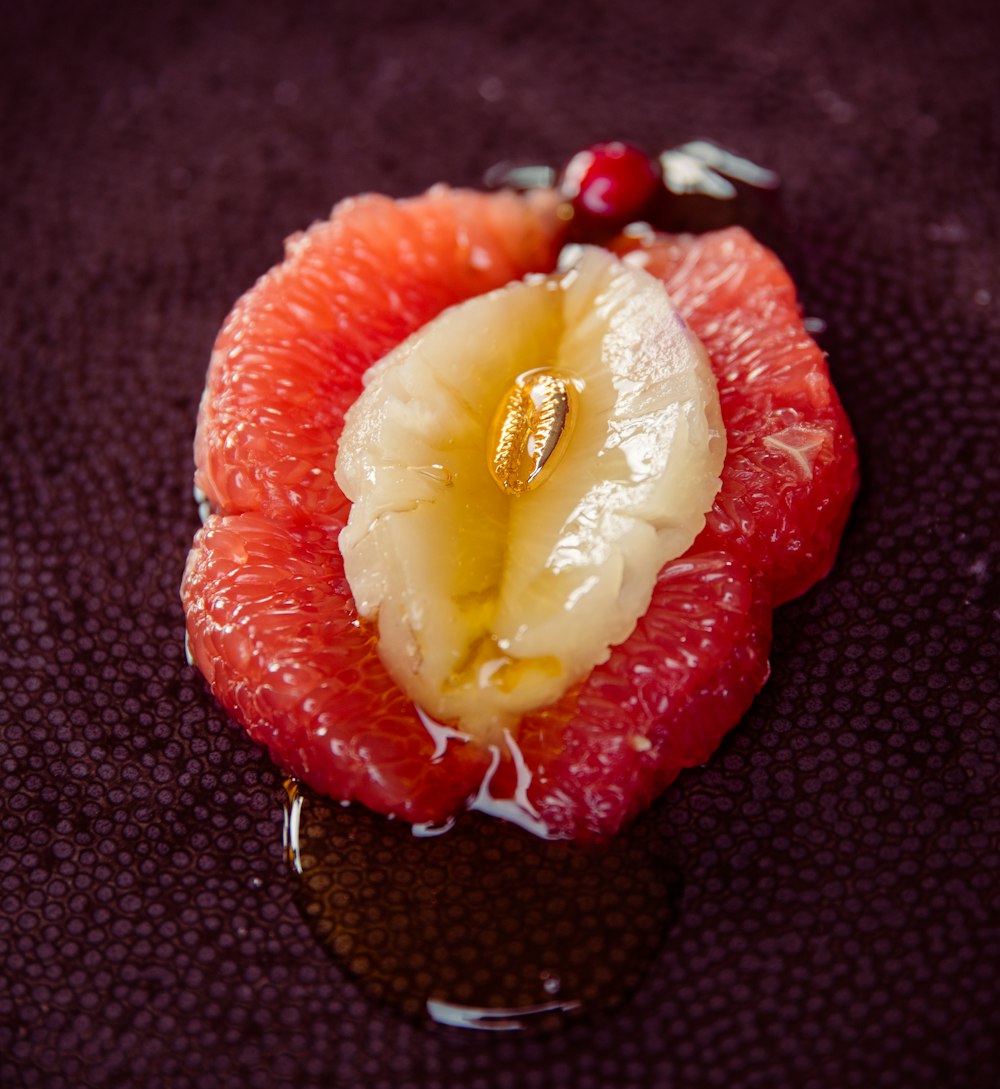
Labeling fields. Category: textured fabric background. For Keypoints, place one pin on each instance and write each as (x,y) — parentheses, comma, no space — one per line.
(840,854)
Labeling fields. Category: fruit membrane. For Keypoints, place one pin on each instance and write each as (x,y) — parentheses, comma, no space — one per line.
(271,617)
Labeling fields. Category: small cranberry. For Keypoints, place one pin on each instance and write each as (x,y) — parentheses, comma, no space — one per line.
(610,184)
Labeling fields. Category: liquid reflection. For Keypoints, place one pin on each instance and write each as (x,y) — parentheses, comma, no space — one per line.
(485,927)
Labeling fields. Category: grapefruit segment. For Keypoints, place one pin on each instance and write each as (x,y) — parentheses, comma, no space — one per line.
(289,360)
(272,626)
(791,462)
(662,701)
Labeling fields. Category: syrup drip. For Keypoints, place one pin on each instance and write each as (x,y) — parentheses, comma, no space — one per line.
(486,927)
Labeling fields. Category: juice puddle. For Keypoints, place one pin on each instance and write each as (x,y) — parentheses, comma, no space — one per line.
(486,926)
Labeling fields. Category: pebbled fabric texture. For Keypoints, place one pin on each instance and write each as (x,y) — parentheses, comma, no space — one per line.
(840,854)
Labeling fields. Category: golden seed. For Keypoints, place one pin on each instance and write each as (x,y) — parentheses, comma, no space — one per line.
(530,431)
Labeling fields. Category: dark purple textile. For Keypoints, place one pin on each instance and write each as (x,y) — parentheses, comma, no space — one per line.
(841,852)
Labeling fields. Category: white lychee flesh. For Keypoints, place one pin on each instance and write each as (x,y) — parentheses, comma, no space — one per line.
(491,602)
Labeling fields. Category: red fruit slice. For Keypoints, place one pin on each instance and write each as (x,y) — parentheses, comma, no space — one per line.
(791,463)
(662,702)
(272,626)
(289,359)
(270,620)
(270,617)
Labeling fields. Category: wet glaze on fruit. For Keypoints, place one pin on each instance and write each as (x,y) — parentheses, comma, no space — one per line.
(608,185)
(492,602)
(270,616)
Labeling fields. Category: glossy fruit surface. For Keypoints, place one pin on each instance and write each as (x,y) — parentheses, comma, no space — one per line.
(791,464)
(609,184)
(272,626)
(289,359)
(271,621)
(495,588)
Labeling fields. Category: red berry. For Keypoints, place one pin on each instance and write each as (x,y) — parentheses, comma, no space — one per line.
(610,183)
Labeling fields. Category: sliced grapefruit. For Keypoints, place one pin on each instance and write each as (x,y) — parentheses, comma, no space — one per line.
(272,626)
(662,702)
(289,359)
(791,463)
(271,619)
